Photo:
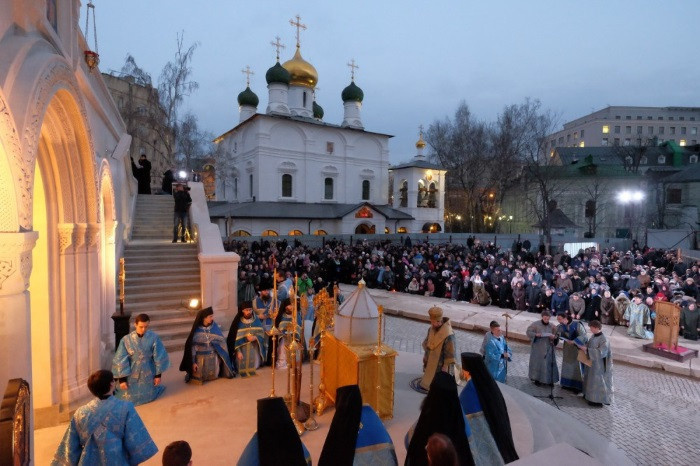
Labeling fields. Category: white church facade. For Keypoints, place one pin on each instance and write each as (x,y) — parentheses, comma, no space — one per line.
(287,172)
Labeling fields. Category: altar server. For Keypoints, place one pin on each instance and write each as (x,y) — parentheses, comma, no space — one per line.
(598,378)
(138,364)
(543,368)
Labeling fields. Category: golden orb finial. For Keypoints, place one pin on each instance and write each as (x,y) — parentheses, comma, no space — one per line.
(421,143)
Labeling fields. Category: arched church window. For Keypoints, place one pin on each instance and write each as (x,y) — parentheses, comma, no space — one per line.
(240,233)
(422,200)
(295,233)
(432,195)
(402,230)
(235,188)
(365,190)
(403,193)
(251,185)
(269,233)
(320,233)
(328,188)
(286,185)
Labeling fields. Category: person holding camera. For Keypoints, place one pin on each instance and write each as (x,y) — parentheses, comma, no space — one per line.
(182,209)
(142,173)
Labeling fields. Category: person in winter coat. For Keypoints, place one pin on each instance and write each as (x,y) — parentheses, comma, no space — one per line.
(607,309)
(519,298)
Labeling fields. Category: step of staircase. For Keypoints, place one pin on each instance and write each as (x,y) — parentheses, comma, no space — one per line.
(161,277)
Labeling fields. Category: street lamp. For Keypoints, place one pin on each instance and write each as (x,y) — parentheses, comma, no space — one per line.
(510,224)
(630,197)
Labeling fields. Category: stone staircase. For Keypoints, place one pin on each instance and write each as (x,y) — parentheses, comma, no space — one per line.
(161,276)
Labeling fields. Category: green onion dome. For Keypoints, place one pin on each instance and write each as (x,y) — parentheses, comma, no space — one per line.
(352,93)
(318,111)
(248,97)
(278,74)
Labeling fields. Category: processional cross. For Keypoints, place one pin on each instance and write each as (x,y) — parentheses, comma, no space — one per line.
(277,45)
(298,25)
(247,71)
(353,67)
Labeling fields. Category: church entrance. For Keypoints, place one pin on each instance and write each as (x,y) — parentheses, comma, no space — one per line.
(365,229)
(65,285)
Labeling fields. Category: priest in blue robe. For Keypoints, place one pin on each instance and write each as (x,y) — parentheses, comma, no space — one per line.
(246,341)
(573,334)
(496,352)
(284,323)
(638,317)
(107,430)
(206,354)
(356,436)
(138,364)
(491,438)
(598,378)
(264,307)
(276,441)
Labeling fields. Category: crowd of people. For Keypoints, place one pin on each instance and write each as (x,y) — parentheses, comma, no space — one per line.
(614,287)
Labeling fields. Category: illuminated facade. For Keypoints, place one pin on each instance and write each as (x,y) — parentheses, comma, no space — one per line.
(66,193)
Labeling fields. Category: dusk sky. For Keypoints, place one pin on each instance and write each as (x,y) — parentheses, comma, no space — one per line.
(418,60)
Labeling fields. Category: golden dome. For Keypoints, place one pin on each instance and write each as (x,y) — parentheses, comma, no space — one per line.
(421,143)
(303,73)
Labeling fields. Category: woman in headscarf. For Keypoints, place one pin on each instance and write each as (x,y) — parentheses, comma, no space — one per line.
(356,434)
(441,413)
(206,353)
(485,408)
(276,442)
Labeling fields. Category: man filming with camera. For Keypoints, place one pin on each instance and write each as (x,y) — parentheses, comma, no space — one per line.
(182,208)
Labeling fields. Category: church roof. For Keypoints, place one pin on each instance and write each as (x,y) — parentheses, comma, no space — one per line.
(417,163)
(689,175)
(299,119)
(219,209)
(558,219)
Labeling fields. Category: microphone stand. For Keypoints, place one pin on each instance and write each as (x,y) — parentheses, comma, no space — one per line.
(552,367)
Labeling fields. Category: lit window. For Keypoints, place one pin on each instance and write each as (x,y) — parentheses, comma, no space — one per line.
(295,233)
(582,144)
(606,129)
(402,230)
(269,233)
(682,143)
(320,233)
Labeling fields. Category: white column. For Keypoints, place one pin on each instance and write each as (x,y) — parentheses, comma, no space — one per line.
(15,313)
(277,98)
(351,115)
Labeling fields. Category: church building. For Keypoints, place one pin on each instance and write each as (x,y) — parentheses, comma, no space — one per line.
(288,172)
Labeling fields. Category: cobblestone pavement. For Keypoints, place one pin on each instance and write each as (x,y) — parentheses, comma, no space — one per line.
(654,418)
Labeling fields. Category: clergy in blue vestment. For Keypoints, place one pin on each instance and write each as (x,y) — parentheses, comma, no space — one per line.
(264,307)
(284,323)
(638,317)
(440,413)
(206,353)
(276,442)
(246,341)
(543,366)
(106,431)
(598,378)
(285,285)
(356,435)
(491,438)
(138,364)
(496,352)
(573,334)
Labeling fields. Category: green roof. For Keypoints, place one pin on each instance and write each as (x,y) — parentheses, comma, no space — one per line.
(248,97)
(318,111)
(352,93)
(278,74)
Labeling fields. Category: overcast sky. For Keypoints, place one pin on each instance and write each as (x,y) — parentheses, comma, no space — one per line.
(418,60)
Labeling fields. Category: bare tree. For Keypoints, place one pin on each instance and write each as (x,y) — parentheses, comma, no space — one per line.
(631,155)
(596,193)
(462,147)
(175,83)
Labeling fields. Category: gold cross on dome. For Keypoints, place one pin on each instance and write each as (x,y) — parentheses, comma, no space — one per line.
(353,67)
(277,45)
(247,71)
(420,130)
(298,25)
